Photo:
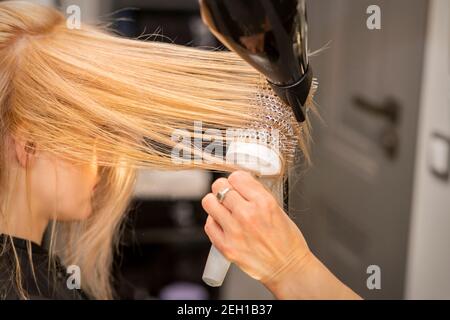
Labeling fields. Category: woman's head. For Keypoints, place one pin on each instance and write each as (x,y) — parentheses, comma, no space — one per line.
(87,108)
(56,188)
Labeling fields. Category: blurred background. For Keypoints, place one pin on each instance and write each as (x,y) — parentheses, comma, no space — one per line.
(378,192)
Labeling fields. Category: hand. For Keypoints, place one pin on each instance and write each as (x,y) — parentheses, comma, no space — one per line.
(251,230)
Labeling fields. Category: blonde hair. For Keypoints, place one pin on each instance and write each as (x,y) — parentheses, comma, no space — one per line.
(68,90)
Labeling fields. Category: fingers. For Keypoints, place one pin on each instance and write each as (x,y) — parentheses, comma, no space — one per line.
(245,184)
(214,232)
(218,212)
(233,200)
(235,208)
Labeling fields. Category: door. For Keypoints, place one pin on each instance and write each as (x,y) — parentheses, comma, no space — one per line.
(353,205)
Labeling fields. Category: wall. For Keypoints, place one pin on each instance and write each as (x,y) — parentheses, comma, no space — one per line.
(428,273)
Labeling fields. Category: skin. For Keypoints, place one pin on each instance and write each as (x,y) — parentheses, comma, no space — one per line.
(57,190)
(252,231)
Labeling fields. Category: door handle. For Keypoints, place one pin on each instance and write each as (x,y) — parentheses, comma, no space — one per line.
(389,110)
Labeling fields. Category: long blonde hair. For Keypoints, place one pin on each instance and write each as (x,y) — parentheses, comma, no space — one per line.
(67,90)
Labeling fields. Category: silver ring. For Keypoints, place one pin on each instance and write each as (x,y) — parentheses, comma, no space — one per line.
(221,194)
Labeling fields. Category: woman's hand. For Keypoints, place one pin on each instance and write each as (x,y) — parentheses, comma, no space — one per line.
(251,230)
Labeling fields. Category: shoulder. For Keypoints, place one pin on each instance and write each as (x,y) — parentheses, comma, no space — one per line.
(39,279)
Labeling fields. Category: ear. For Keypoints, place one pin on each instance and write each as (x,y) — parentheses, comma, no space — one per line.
(24,150)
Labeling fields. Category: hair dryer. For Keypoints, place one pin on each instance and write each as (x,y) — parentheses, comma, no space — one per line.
(271,35)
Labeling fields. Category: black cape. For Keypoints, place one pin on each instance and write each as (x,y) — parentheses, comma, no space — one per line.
(49,282)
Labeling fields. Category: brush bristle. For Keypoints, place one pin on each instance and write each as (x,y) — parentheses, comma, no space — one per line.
(275,124)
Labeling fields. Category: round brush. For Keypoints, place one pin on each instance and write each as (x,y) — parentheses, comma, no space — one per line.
(267,149)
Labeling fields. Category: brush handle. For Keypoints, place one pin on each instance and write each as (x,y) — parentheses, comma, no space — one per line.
(216,268)
(250,156)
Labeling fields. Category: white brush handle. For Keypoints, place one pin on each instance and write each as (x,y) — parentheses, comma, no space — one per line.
(216,268)
(250,156)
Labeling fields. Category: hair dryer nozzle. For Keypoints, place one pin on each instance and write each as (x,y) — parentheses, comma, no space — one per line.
(296,95)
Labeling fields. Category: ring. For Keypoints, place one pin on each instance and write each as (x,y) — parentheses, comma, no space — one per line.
(221,195)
